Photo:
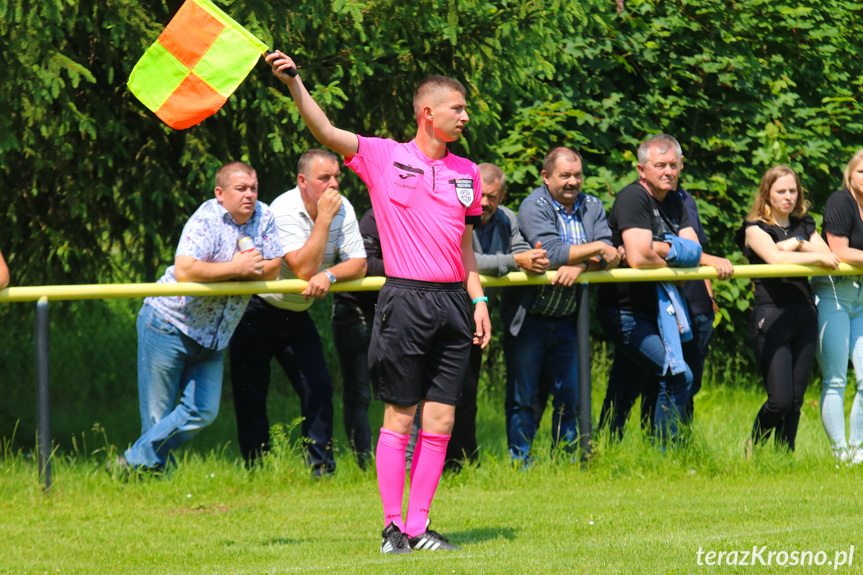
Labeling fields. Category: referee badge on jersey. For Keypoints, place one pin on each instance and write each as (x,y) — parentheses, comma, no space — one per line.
(464,190)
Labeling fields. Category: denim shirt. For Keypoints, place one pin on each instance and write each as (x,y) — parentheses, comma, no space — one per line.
(211,235)
(673,317)
(683,253)
(673,322)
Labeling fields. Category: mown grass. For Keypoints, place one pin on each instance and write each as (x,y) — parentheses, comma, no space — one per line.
(629,509)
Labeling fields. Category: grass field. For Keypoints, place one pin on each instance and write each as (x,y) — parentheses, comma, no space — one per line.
(630,509)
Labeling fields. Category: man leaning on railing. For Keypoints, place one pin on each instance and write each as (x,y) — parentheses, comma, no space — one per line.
(181,338)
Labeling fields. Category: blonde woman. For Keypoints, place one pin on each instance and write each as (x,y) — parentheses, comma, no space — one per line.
(840,314)
(783,325)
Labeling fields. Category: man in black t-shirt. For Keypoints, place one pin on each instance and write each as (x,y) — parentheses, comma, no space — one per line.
(642,214)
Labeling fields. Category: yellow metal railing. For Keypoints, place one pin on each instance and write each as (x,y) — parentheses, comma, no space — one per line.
(43,294)
(107,291)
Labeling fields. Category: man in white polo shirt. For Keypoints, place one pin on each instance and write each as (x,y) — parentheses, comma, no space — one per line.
(316,225)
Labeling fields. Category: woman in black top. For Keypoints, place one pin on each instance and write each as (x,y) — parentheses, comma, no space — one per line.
(840,315)
(783,327)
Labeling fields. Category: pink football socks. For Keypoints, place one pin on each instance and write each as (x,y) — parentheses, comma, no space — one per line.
(426,469)
(390,463)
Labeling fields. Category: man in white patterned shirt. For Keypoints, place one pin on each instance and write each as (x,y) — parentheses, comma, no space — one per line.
(315,226)
(181,338)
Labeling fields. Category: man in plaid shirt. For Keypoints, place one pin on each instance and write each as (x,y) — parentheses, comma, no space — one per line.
(540,333)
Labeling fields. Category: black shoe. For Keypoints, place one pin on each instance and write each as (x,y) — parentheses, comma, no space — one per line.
(431,541)
(394,540)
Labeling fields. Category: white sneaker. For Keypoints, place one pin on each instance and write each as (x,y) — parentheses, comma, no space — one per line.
(856,457)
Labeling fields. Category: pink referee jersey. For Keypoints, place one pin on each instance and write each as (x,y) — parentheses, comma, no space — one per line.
(420,207)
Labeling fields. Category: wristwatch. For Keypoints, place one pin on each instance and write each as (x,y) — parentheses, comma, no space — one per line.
(800,240)
(330,276)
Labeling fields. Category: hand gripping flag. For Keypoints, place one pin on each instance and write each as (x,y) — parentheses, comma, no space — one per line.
(199,60)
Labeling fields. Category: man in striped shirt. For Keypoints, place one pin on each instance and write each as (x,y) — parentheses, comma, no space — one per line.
(540,333)
(316,226)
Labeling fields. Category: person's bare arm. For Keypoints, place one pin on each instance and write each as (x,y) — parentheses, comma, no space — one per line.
(243,266)
(639,246)
(841,246)
(762,244)
(305,261)
(4,273)
(319,284)
(723,266)
(533,261)
(474,289)
(338,140)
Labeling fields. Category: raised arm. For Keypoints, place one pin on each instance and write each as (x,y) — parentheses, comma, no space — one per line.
(305,261)
(338,140)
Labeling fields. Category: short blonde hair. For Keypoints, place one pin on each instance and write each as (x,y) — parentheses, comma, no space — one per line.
(225,172)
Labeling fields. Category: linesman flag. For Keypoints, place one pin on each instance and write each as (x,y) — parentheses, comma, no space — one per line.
(199,60)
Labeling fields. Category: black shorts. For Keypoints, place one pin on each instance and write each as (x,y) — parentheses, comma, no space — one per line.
(421,342)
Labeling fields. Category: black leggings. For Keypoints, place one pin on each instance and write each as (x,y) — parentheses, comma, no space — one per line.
(784,340)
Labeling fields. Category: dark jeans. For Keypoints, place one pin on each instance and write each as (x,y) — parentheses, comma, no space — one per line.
(352,332)
(639,354)
(544,349)
(784,340)
(694,353)
(292,338)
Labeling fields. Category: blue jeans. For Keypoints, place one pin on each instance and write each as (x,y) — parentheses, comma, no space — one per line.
(840,328)
(548,343)
(694,353)
(171,364)
(639,354)
(352,332)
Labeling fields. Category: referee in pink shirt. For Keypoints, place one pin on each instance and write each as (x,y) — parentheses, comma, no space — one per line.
(426,202)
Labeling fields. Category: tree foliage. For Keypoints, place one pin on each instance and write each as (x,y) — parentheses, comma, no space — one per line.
(97,189)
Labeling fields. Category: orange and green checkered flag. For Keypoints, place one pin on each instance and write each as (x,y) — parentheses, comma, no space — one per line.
(199,60)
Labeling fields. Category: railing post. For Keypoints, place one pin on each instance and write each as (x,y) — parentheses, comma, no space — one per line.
(43,410)
(585,419)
